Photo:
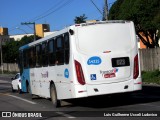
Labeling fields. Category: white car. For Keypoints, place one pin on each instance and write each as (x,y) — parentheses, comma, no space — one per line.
(16,83)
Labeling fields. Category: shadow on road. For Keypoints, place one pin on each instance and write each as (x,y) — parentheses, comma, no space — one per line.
(147,95)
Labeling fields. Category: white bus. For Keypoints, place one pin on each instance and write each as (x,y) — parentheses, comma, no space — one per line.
(82,60)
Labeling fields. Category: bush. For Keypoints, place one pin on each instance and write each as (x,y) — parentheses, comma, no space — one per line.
(151,76)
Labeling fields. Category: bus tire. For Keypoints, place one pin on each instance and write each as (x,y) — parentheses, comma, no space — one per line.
(53,95)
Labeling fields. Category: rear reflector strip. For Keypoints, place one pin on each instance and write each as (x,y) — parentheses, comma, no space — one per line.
(138,83)
(82,91)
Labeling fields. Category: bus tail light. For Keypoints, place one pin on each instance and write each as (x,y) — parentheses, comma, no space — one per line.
(79,72)
(136,67)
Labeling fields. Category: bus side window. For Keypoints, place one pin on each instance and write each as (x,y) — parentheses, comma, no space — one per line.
(38,55)
(59,50)
(44,54)
(51,53)
(66,47)
(32,57)
(25,58)
(21,61)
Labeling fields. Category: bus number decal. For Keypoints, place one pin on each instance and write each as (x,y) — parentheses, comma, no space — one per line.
(66,73)
(94,61)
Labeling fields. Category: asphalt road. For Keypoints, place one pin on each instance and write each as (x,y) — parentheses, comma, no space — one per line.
(92,108)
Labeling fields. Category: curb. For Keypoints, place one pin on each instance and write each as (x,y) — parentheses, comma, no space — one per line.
(151,84)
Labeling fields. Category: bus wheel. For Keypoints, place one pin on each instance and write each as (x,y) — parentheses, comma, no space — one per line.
(53,95)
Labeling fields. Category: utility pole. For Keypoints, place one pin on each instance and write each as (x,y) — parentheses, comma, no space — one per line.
(27,23)
(106,9)
(1,50)
(1,57)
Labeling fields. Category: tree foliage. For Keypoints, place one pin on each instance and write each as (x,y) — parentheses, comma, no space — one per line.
(144,13)
(80,19)
(10,49)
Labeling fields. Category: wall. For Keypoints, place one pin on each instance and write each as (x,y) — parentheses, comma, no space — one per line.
(10,67)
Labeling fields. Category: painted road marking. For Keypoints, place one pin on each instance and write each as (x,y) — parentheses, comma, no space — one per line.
(4,93)
(60,113)
(22,99)
(150,105)
(65,115)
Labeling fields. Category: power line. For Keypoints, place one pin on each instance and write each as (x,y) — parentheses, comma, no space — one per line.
(43,16)
(60,7)
(96,7)
(47,10)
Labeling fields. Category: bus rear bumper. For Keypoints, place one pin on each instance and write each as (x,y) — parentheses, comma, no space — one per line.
(101,89)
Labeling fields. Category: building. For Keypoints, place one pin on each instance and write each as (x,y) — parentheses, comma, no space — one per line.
(41,30)
(4,37)
(19,37)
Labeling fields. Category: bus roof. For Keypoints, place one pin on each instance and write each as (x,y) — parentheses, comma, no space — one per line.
(43,39)
(67,28)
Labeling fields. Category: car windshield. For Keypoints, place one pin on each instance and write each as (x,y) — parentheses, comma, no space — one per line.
(17,76)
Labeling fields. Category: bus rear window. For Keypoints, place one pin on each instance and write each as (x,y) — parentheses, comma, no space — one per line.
(100,38)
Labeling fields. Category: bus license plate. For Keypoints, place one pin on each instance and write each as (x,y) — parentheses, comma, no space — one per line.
(120,62)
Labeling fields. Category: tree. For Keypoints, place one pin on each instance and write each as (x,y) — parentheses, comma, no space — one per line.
(80,19)
(10,52)
(144,13)
(11,49)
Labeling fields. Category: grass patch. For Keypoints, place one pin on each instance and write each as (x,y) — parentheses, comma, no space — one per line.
(151,76)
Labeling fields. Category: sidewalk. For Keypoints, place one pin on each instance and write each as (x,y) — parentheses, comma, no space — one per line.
(4,82)
(150,84)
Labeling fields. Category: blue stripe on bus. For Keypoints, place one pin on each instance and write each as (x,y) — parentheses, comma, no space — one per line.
(25,78)
(24,47)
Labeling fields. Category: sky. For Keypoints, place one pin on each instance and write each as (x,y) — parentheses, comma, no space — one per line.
(57,13)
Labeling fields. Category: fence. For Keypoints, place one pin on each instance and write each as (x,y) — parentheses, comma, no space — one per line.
(10,67)
(149,59)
